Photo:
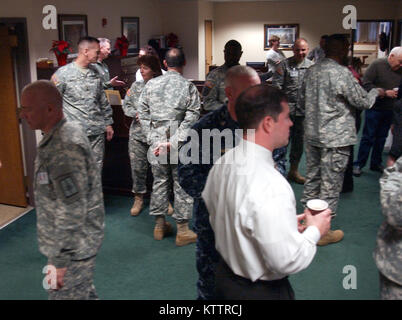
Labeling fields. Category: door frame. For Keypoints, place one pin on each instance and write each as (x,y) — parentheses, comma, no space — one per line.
(374,20)
(23,77)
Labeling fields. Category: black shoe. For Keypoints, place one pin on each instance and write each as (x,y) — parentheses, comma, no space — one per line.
(357,171)
(379,168)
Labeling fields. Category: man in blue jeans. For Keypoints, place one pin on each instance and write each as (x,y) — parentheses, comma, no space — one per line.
(383,73)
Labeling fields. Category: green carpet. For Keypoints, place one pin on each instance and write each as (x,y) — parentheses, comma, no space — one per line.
(132,265)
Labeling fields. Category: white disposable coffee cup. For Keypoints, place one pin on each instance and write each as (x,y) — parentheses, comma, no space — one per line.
(396,89)
(317,205)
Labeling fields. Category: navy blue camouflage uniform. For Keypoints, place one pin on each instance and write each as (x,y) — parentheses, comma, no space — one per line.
(192,178)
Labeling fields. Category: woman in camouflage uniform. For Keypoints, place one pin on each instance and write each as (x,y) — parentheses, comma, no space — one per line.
(137,146)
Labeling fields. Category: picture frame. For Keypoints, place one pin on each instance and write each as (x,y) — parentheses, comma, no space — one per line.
(288,33)
(130,28)
(71,28)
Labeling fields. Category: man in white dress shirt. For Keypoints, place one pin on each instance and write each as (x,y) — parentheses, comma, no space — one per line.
(252,207)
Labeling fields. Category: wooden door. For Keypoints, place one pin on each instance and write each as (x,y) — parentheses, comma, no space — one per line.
(12,183)
(208,45)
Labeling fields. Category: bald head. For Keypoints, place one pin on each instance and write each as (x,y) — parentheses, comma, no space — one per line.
(238,72)
(395,58)
(41,105)
(45,92)
(300,49)
(238,79)
(175,58)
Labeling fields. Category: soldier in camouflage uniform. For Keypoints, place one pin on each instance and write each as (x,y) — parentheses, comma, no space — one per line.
(137,144)
(288,77)
(193,176)
(169,106)
(102,69)
(388,253)
(329,95)
(84,100)
(214,88)
(68,194)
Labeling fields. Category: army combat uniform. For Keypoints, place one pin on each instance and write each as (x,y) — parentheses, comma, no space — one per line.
(388,253)
(329,95)
(103,70)
(137,144)
(85,102)
(289,77)
(69,207)
(169,106)
(213,92)
(193,176)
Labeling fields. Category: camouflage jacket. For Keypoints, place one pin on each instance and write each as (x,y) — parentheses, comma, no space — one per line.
(84,100)
(388,253)
(219,128)
(289,77)
(103,71)
(329,95)
(130,109)
(213,92)
(68,196)
(169,106)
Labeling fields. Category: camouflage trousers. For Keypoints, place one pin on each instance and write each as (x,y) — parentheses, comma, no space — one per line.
(98,147)
(78,282)
(389,290)
(296,139)
(206,255)
(325,169)
(139,164)
(161,188)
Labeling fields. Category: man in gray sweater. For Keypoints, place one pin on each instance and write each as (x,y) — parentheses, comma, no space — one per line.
(383,73)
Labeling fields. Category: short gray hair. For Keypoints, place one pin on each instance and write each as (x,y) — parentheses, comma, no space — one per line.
(396,51)
(237,72)
(102,41)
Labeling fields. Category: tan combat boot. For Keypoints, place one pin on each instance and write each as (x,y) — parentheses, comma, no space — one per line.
(331,237)
(162,228)
(184,235)
(294,174)
(170,209)
(137,205)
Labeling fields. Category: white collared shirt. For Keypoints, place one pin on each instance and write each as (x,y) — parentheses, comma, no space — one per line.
(253,214)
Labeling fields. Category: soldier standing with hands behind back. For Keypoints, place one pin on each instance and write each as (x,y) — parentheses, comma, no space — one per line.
(169,105)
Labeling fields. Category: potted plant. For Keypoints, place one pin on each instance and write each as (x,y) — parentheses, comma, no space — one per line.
(61,49)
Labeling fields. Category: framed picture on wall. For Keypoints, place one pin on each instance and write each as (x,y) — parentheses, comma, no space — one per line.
(287,33)
(71,28)
(130,28)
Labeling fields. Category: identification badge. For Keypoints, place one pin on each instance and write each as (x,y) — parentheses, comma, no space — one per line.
(294,73)
(42,178)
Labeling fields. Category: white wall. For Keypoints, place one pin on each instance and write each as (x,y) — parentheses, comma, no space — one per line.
(181,18)
(244,21)
(205,12)
(40,40)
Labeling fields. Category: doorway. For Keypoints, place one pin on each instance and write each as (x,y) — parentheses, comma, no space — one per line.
(18,144)
(372,39)
(208,45)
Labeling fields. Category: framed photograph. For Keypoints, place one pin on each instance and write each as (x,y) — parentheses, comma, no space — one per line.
(288,33)
(71,28)
(130,28)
